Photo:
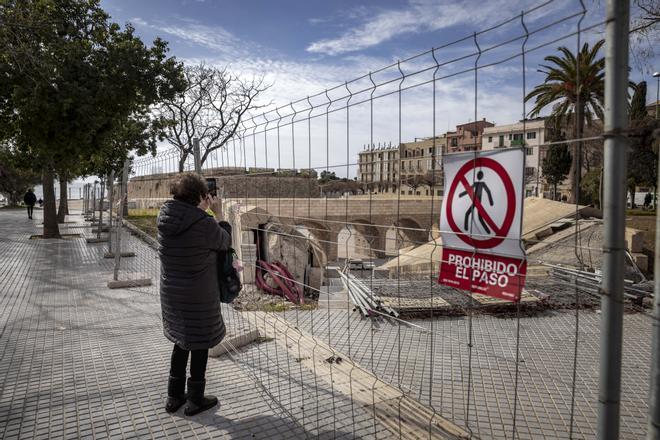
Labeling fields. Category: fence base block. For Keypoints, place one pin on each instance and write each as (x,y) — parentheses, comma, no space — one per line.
(123,284)
(96,231)
(123,254)
(97,240)
(233,341)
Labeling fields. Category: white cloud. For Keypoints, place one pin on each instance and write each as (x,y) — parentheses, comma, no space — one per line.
(419,16)
(293,80)
(216,38)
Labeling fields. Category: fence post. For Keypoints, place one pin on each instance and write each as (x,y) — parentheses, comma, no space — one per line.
(111,180)
(94,202)
(654,395)
(196,154)
(124,183)
(614,215)
(84,200)
(99,228)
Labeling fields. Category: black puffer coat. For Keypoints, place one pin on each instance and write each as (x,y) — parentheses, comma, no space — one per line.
(189,296)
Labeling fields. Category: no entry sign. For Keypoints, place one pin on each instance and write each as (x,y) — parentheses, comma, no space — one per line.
(480,223)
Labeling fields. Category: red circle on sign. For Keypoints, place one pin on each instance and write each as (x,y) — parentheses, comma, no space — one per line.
(510,201)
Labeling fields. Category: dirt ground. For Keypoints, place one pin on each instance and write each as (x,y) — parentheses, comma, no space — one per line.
(644,223)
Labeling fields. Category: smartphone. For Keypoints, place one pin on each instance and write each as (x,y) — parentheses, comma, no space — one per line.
(212,186)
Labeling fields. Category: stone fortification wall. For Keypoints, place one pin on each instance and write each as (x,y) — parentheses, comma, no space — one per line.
(256,183)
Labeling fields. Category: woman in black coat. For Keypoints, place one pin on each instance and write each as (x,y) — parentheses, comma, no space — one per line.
(189,241)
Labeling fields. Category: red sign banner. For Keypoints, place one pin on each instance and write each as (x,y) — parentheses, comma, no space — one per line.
(492,275)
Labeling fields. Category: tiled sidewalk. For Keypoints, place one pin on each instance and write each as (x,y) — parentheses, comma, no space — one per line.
(78,360)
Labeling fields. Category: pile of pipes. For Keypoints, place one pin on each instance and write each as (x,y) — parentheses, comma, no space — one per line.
(363,298)
(275,279)
(591,282)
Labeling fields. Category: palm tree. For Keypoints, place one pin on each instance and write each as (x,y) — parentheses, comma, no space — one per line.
(570,100)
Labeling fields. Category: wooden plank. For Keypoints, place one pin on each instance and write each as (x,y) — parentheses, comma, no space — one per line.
(415,303)
(356,382)
(484,300)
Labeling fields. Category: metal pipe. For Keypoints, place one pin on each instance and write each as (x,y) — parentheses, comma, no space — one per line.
(124,184)
(654,395)
(614,215)
(111,179)
(100,226)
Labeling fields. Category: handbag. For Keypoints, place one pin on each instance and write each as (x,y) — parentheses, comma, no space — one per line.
(228,279)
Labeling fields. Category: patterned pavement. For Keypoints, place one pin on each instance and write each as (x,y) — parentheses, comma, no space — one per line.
(78,360)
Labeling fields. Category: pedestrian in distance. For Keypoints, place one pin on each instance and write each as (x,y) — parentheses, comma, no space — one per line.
(190,240)
(41,203)
(29,199)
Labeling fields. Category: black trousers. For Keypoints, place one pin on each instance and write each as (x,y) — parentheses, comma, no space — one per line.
(30,210)
(198,359)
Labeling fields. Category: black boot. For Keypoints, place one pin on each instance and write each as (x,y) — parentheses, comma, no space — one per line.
(176,394)
(197,401)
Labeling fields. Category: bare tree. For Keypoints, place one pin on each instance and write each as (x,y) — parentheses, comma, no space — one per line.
(644,33)
(210,109)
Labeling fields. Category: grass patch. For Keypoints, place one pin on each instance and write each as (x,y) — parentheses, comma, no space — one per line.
(12,207)
(641,212)
(145,223)
(312,305)
(143,212)
(274,307)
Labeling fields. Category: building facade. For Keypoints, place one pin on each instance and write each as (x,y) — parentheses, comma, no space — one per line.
(529,134)
(412,168)
(467,137)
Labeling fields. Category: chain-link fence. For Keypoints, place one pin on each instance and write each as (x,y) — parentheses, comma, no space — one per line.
(336,217)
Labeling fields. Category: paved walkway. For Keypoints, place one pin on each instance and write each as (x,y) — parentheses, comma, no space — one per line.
(78,360)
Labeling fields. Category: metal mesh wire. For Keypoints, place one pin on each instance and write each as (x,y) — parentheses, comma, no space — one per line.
(429,361)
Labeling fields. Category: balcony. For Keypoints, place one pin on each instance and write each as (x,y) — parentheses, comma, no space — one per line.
(517,142)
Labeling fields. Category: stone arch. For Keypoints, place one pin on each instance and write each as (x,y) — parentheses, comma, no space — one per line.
(360,239)
(321,235)
(410,232)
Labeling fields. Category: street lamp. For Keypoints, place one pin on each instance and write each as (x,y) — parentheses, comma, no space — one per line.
(657,93)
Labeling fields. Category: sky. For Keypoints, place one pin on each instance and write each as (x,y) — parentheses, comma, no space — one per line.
(302,48)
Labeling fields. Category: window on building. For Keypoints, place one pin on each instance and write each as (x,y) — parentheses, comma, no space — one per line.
(419,164)
(529,171)
(510,136)
(529,151)
(490,139)
(501,141)
(531,135)
(439,192)
(410,193)
(517,137)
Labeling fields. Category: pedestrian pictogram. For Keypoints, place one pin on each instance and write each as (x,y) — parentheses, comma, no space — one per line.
(481,218)
(475,191)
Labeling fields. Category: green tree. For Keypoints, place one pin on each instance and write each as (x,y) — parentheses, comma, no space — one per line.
(327,176)
(75,79)
(574,103)
(557,164)
(590,187)
(14,179)
(642,158)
